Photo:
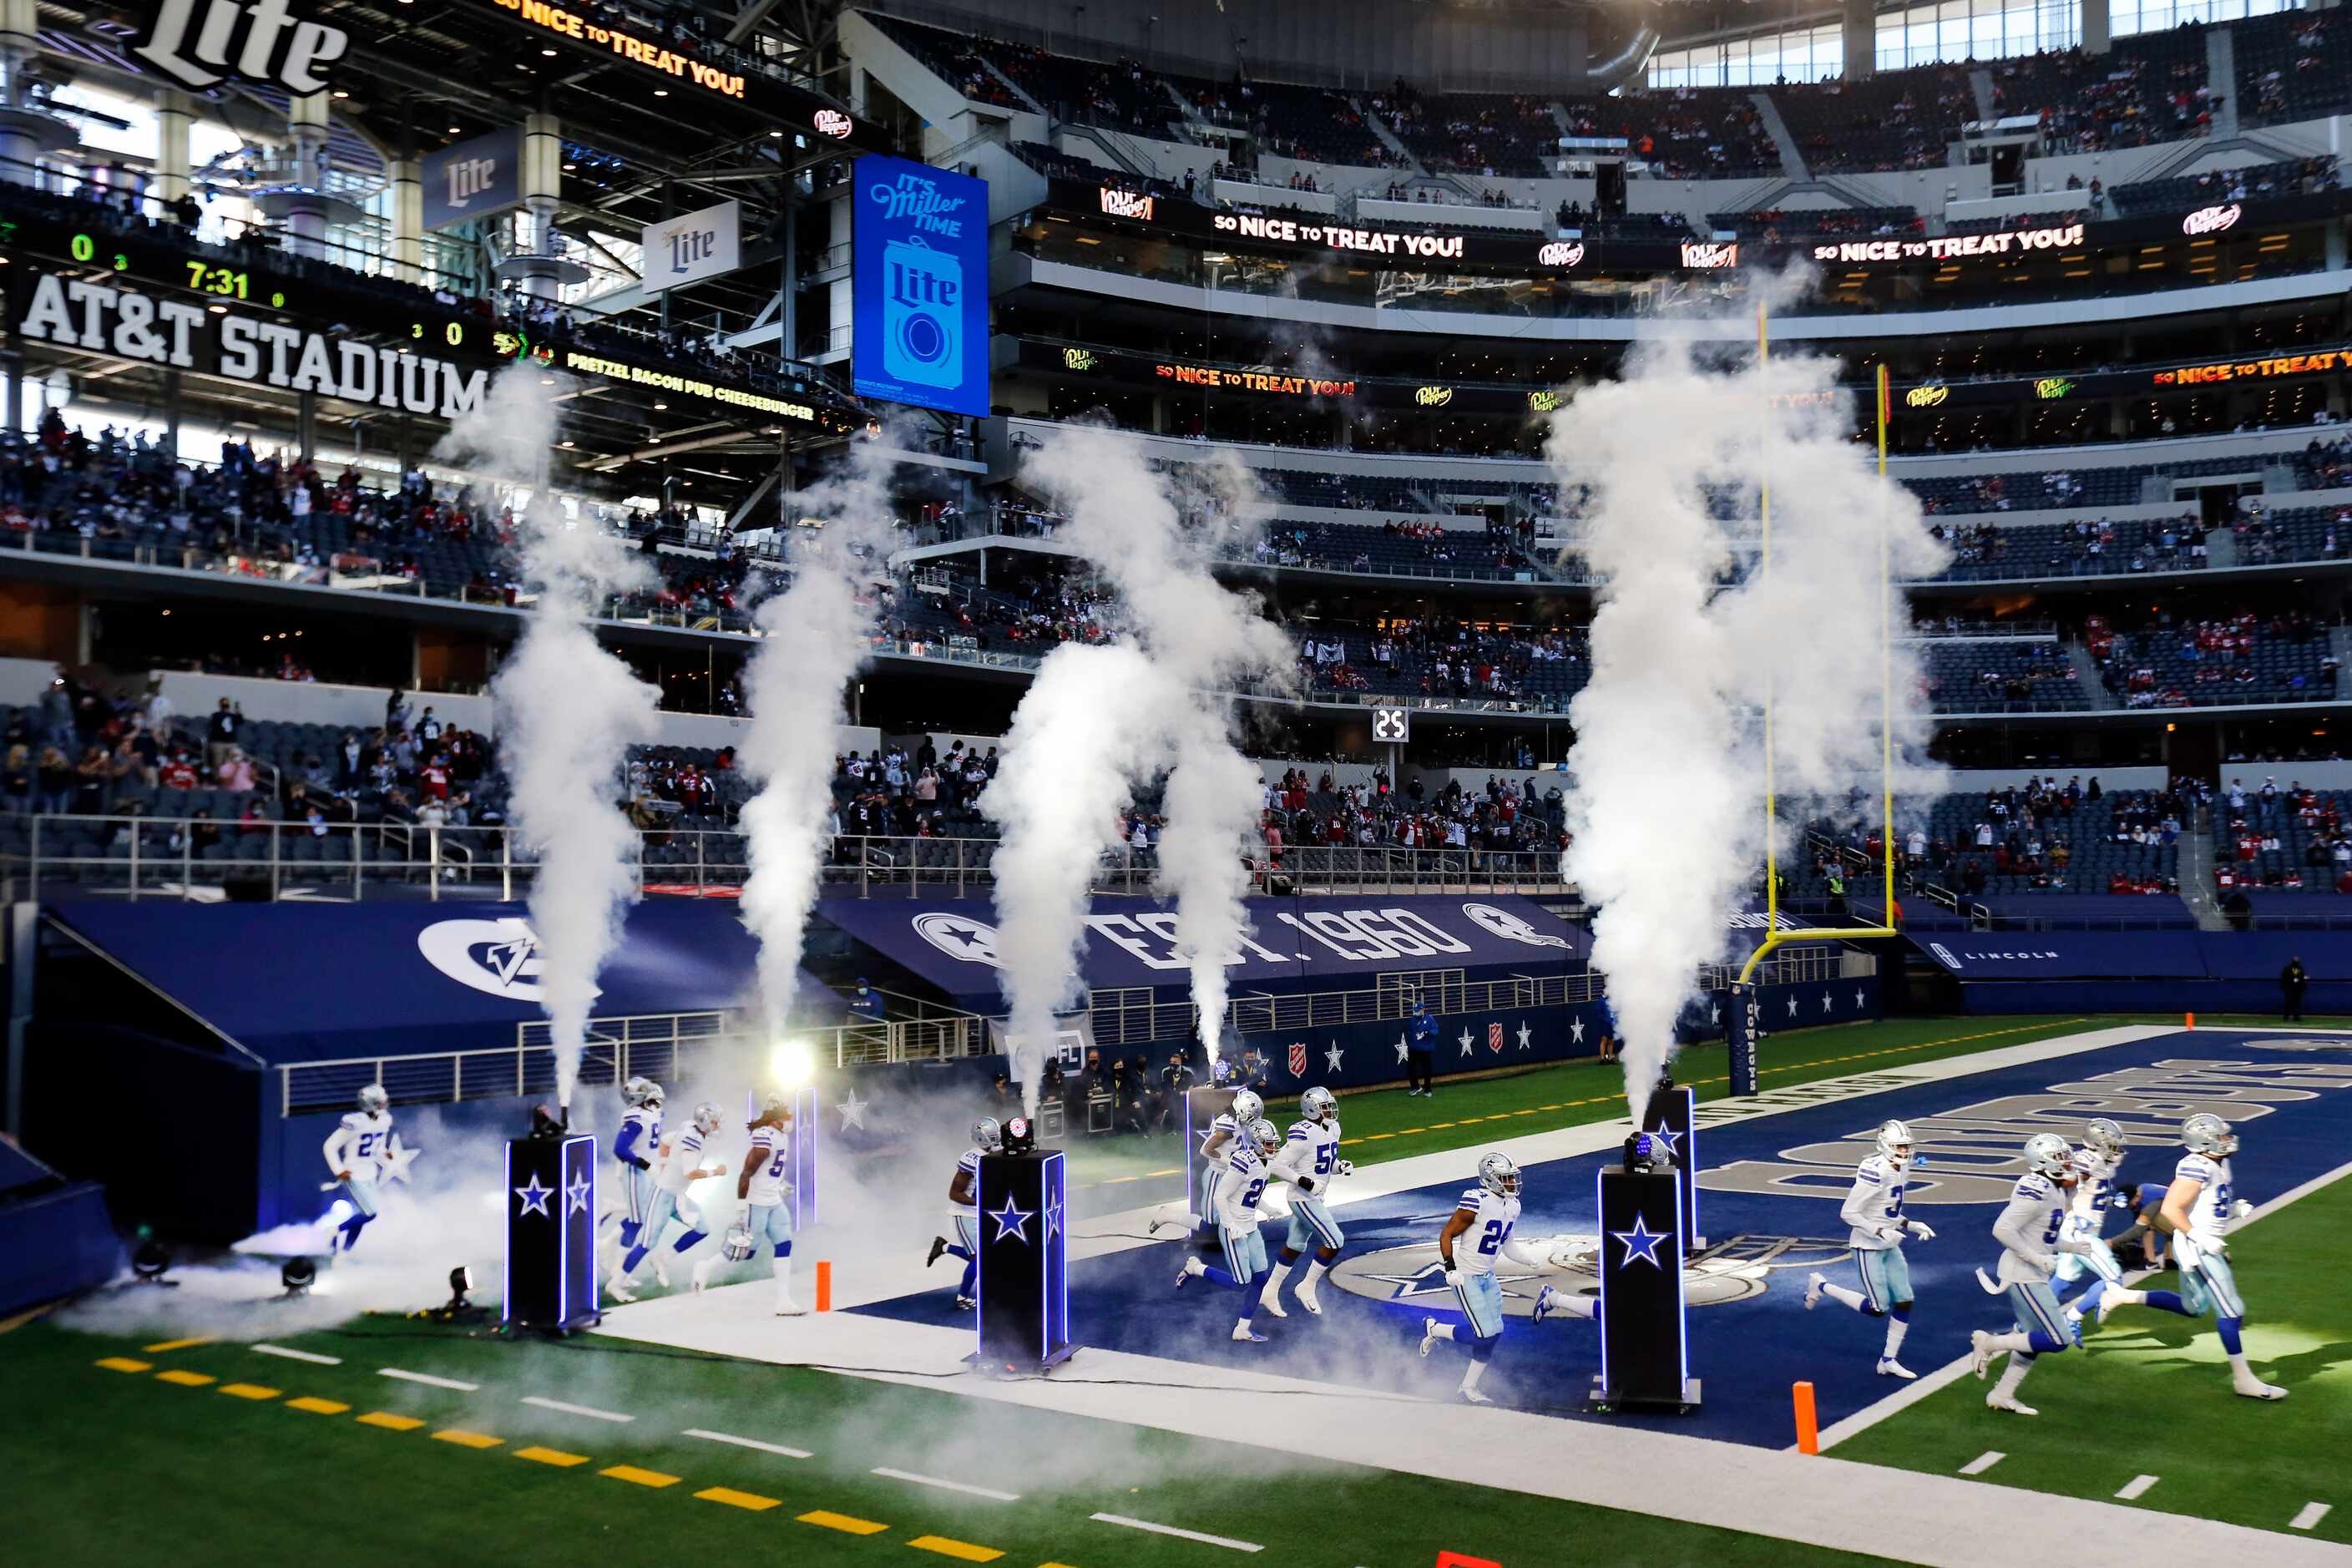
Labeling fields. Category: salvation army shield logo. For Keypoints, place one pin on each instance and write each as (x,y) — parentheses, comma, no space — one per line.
(1495,1039)
(1299,1058)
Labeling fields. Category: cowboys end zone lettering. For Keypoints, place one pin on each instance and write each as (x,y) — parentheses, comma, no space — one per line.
(1970,1154)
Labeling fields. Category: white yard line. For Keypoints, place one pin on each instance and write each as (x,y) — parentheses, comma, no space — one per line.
(964,1486)
(2136,1486)
(2311,1514)
(1983,1462)
(747,1443)
(427,1378)
(1870,1416)
(290,1354)
(1203,1537)
(588,1410)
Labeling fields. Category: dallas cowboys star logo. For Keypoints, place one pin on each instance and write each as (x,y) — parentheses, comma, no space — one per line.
(1053,1217)
(1525,1035)
(1640,1242)
(1331,1057)
(396,1163)
(1576,1030)
(1013,1220)
(1792,1006)
(1825,1003)
(853,1112)
(576,1195)
(1400,1048)
(1672,1140)
(1465,1042)
(1857,996)
(534,1197)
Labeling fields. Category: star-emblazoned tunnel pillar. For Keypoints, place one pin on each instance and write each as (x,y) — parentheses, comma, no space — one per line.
(1645,1351)
(550,1191)
(1023,1282)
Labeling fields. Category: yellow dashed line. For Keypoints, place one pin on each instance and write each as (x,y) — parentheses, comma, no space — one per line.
(842,1523)
(124,1363)
(389,1422)
(1371,1138)
(1436,1127)
(317,1406)
(176,1345)
(187,1379)
(733,1499)
(637,1478)
(962,1551)
(249,1391)
(464,1439)
(555,1456)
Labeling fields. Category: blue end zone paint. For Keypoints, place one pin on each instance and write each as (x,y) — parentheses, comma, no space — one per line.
(1747,1352)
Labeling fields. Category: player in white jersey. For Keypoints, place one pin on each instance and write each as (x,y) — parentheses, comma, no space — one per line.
(360,1149)
(963,1212)
(1874,1212)
(683,1163)
(1241,1180)
(2097,1162)
(2031,1230)
(1310,1162)
(634,1148)
(764,1189)
(1224,1133)
(2198,1209)
(1481,1224)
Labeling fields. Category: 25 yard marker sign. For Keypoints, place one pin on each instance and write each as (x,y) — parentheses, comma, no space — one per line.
(1392,724)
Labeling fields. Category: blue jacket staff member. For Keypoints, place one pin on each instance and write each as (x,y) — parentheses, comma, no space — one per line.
(867,1004)
(1420,1044)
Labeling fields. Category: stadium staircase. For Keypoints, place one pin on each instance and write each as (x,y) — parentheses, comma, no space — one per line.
(1387,138)
(2196,873)
(2086,670)
(1113,146)
(2221,68)
(1792,162)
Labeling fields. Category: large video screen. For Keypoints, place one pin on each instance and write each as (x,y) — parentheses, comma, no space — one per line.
(920,280)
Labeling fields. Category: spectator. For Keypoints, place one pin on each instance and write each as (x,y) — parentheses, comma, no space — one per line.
(235,771)
(221,732)
(2293,982)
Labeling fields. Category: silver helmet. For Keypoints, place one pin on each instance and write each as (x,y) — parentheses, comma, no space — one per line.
(2048,1155)
(372,1099)
(2104,1136)
(1266,1135)
(633,1090)
(987,1136)
(2206,1133)
(1248,1107)
(706,1118)
(1895,1142)
(1499,1175)
(1318,1105)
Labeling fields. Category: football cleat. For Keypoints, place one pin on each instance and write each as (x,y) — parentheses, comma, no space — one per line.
(2009,1404)
(1428,1336)
(964,1303)
(661,1272)
(1813,1283)
(618,1289)
(1470,1396)
(1889,1367)
(2253,1387)
(702,1274)
(1246,1335)
(1306,1297)
(939,1247)
(1981,1352)
(1271,1306)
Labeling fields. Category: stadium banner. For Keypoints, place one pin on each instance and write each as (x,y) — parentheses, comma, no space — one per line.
(2065,954)
(691,247)
(918,246)
(474,179)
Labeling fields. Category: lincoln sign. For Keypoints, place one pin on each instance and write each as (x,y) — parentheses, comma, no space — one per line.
(75,313)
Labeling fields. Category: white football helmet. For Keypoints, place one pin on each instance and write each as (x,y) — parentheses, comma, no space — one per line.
(987,1136)
(1248,1107)
(1318,1105)
(2104,1136)
(1266,1135)
(2048,1155)
(372,1099)
(650,1095)
(738,1244)
(633,1091)
(1499,1175)
(1895,1142)
(2206,1133)
(706,1118)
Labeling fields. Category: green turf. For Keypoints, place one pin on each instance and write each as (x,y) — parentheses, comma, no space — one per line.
(2150,1396)
(111,1467)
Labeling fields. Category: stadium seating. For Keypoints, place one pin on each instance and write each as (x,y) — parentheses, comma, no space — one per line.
(2296,65)
(1904,120)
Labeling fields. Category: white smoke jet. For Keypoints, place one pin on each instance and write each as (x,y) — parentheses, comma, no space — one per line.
(1205,640)
(568,711)
(815,638)
(1669,761)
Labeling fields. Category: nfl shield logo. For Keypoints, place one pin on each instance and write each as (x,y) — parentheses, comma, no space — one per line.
(1299,1058)
(1495,1038)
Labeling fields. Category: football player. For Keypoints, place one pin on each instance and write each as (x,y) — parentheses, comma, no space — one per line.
(963,1196)
(2031,1230)
(762,1189)
(2198,1209)
(1310,1162)
(358,1151)
(1486,1214)
(1874,1214)
(682,1165)
(1240,1183)
(1246,1108)
(633,1150)
(2096,1164)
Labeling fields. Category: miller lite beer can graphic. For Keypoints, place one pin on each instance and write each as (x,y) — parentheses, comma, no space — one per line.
(922,313)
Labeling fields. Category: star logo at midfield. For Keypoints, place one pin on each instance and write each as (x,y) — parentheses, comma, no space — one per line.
(853,1110)
(1331,1057)
(1465,1042)
(576,1196)
(1576,1030)
(534,1197)
(1525,1035)
(1641,1242)
(1013,1220)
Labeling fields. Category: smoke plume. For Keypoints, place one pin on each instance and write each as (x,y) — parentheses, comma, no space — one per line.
(815,641)
(1202,640)
(568,711)
(1667,808)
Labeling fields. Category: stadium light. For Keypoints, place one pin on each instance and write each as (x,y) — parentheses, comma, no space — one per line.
(150,1262)
(298,1275)
(793,1062)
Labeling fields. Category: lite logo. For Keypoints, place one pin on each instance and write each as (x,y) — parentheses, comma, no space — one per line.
(690,246)
(471,177)
(261,42)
